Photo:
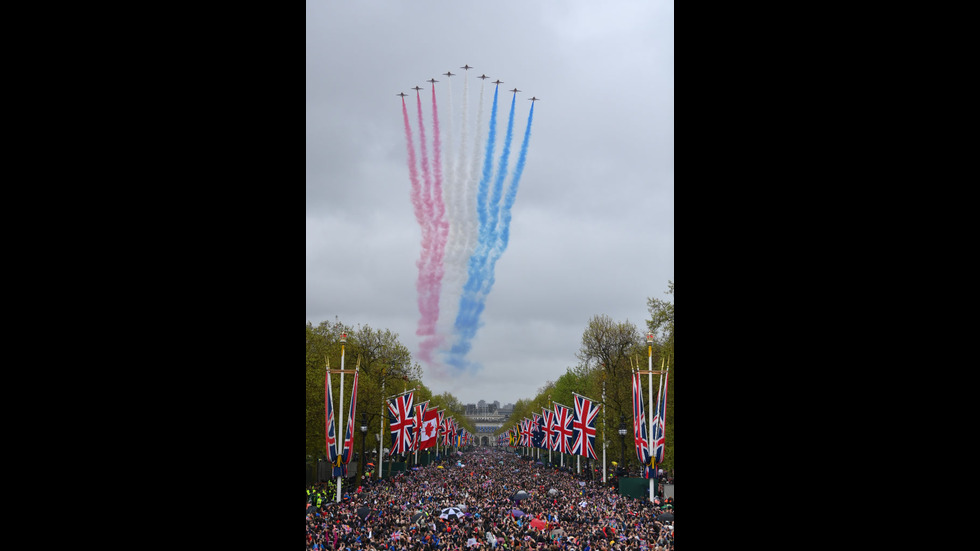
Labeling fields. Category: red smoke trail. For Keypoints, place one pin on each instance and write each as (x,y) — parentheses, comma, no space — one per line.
(430,277)
(419,206)
(413,174)
(421,285)
(427,178)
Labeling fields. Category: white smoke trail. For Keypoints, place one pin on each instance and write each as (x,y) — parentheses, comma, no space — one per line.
(472,228)
(456,256)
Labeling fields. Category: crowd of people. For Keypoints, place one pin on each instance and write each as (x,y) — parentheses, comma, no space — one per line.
(486,500)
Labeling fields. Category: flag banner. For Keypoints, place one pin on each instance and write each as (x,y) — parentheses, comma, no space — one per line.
(640,439)
(428,434)
(659,424)
(439,422)
(548,427)
(583,426)
(417,417)
(537,435)
(450,432)
(331,428)
(444,430)
(349,433)
(400,422)
(563,428)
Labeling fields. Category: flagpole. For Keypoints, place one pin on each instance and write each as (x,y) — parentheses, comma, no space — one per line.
(650,410)
(326,414)
(603,431)
(340,416)
(381,429)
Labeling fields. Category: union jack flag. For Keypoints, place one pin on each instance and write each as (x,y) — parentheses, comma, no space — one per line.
(417,420)
(583,425)
(349,433)
(659,425)
(563,429)
(331,431)
(439,421)
(450,438)
(547,418)
(401,422)
(444,430)
(640,440)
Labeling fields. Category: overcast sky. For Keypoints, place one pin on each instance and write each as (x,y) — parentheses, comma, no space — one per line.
(592,222)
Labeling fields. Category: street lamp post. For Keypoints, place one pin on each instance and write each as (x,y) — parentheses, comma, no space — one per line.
(622,441)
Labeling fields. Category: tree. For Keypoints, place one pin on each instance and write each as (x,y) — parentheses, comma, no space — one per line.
(605,356)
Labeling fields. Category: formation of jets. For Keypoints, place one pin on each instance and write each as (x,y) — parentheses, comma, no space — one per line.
(466,67)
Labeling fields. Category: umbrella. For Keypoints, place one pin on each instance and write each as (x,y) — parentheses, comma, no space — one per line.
(666,516)
(310,509)
(440,467)
(451,512)
(417,516)
(520,495)
(363,512)
(552,492)
(461,506)
(517,513)
(370,464)
(557,533)
(539,524)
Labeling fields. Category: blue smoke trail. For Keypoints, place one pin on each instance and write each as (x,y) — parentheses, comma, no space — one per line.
(469,306)
(481,279)
(481,193)
(498,185)
(504,232)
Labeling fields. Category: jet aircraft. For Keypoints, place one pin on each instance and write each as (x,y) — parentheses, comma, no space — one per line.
(402,94)
(515,90)
(466,67)
(484,77)
(498,82)
(432,80)
(449,74)
(532,98)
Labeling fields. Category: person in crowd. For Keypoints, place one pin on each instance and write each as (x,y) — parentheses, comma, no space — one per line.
(405,512)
